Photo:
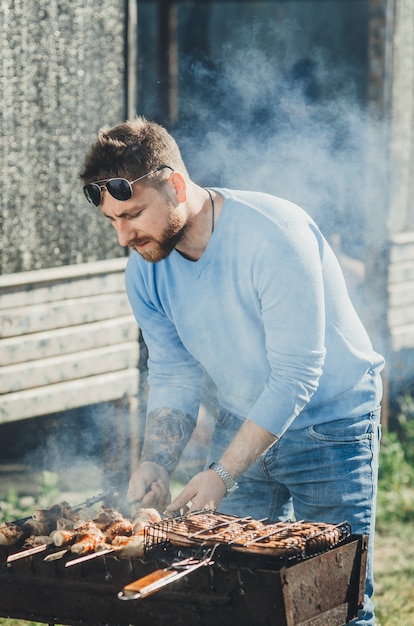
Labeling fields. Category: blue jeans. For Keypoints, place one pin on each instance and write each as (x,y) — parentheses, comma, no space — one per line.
(326,473)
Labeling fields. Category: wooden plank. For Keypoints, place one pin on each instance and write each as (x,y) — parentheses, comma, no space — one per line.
(39,286)
(401,291)
(402,238)
(400,316)
(402,253)
(54,292)
(68,367)
(53,274)
(401,295)
(67,339)
(62,314)
(401,272)
(68,395)
(402,337)
(62,341)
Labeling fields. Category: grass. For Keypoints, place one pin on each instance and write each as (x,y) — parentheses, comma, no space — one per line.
(394,575)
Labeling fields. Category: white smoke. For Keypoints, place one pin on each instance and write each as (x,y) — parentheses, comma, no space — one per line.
(259,117)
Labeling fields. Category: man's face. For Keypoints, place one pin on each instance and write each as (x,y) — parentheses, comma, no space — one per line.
(151,222)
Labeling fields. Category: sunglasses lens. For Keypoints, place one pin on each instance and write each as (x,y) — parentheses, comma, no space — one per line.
(93,193)
(119,188)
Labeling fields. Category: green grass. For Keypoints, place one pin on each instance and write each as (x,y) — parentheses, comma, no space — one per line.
(394,575)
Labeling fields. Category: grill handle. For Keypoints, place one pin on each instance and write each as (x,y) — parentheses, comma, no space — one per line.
(159,579)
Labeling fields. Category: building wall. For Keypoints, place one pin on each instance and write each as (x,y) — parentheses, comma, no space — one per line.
(62,75)
(400,311)
(401,212)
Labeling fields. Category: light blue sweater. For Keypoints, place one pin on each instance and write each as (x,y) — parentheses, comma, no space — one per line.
(266,312)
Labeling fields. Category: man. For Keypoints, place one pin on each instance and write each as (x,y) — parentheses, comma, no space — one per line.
(241,285)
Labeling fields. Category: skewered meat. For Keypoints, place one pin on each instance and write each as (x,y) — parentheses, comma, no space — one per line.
(111,529)
(89,542)
(63,523)
(85,526)
(35,527)
(63,537)
(62,526)
(39,540)
(66,536)
(10,534)
(143,518)
(50,515)
(129,547)
(119,528)
(106,517)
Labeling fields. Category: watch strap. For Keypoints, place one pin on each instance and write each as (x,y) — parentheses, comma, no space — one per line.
(228,480)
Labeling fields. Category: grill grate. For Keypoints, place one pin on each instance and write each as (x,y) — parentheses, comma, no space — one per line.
(284,540)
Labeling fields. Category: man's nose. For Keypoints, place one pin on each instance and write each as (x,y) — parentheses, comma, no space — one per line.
(125,232)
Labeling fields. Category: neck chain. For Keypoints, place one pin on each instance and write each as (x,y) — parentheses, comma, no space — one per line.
(212,210)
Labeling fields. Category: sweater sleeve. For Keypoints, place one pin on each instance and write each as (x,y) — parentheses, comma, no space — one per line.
(174,376)
(291,296)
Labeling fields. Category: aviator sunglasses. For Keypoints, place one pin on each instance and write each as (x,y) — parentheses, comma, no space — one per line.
(119,188)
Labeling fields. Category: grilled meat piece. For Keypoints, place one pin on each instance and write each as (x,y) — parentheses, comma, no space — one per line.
(129,547)
(10,534)
(91,541)
(63,537)
(116,529)
(143,518)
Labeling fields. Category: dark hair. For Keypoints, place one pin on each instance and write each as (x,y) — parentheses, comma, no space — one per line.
(130,150)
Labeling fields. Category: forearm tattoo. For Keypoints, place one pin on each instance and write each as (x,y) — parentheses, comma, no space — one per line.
(167,433)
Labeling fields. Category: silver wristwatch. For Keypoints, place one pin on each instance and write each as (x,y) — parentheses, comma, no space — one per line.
(231,485)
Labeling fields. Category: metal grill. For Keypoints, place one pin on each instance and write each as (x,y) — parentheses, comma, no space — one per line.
(281,540)
(205,568)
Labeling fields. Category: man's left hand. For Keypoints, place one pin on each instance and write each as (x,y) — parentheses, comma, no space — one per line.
(204,491)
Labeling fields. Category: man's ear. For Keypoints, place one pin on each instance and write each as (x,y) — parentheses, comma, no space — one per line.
(180,186)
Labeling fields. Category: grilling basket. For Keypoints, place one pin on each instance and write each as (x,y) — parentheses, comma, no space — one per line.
(209,537)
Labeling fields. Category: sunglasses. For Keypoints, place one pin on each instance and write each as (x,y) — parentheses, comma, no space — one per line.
(119,188)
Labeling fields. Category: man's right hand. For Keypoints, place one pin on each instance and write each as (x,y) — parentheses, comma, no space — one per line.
(149,486)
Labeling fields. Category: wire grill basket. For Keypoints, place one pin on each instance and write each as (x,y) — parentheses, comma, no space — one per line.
(299,540)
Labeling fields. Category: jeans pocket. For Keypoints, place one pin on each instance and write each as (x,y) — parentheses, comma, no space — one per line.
(345,430)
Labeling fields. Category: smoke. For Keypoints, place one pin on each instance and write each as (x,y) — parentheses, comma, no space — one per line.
(262,111)
(259,117)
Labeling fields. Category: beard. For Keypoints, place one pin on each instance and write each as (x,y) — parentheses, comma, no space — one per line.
(159,249)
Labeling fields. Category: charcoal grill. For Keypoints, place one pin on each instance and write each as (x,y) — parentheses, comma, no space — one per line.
(316,582)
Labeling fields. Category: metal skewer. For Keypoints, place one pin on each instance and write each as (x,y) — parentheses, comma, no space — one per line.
(28,552)
(89,557)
